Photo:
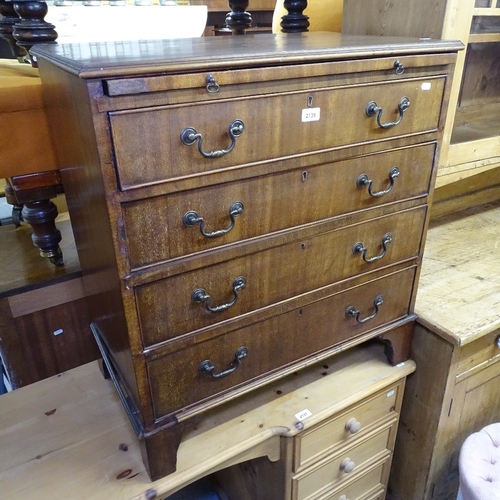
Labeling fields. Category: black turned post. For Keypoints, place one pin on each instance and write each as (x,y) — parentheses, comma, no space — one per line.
(7,21)
(295,21)
(32,28)
(238,20)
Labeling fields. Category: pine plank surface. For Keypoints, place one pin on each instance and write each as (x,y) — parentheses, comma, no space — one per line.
(68,436)
(459,289)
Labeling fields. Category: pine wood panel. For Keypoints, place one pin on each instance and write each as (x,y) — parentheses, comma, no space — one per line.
(457,246)
(462,374)
(89,454)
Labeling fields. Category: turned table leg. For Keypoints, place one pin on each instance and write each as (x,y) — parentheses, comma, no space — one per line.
(41,216)
(238,20)
(34,192)
(295,21)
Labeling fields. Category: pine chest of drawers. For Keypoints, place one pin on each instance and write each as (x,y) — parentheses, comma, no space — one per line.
(243,206)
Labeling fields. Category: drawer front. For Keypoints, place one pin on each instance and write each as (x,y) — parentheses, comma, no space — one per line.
(176,379)
(275,126)
(270,203)
(345,428)
(169,308)
(330,473)
(480,353)
(366,487)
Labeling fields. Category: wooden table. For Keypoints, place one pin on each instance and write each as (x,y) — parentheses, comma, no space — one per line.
(44,320)
(456,346)
(68,436)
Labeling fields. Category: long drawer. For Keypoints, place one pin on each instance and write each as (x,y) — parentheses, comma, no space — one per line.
(177,379)
(237,132)
(180,304)
(165,227)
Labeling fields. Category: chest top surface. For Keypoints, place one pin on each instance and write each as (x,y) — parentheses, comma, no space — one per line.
(90,60)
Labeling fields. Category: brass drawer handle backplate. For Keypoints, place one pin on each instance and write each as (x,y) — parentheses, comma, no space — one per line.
(189,136)
(360,248)
(208,368)
(352,312)
(372,109)
(199,295)
(191,218)
(364,180)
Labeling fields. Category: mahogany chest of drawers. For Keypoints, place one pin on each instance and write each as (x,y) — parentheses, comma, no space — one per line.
(243,206)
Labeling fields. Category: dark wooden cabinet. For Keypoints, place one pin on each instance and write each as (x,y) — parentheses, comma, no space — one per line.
(44,318)
(243,206)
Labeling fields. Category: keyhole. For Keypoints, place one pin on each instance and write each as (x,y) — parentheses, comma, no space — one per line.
(304,175)
(303,246)
(310,101)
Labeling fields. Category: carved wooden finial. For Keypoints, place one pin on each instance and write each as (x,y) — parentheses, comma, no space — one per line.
(238,20)
(7,21)
(32,28)
(295,21)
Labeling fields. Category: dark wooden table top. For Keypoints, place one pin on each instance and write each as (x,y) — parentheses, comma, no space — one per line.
(23,268)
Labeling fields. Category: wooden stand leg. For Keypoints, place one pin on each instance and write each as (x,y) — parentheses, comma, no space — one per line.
(41,216)
(33,192)
(159,450)
(398,343)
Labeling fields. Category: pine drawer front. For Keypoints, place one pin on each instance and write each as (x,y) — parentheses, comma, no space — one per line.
(367,486)
(256,129)
(330,473)
(274,275)
(479,354)
(177,378)
(314,444)
(251,208)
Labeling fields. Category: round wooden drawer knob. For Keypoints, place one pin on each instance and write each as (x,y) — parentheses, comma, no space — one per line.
(353,425)
(347,465)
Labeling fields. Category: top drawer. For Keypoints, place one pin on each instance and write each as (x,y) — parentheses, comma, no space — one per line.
(271,126)
(341,430)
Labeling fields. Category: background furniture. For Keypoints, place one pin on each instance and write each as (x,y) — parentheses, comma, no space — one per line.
(324,15)
(456,345)
(44,320)
(189,319)
(66,420)
(469,167)
(479,464)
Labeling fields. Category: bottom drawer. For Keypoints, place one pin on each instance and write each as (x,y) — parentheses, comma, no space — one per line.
(331,473)
(177,379)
